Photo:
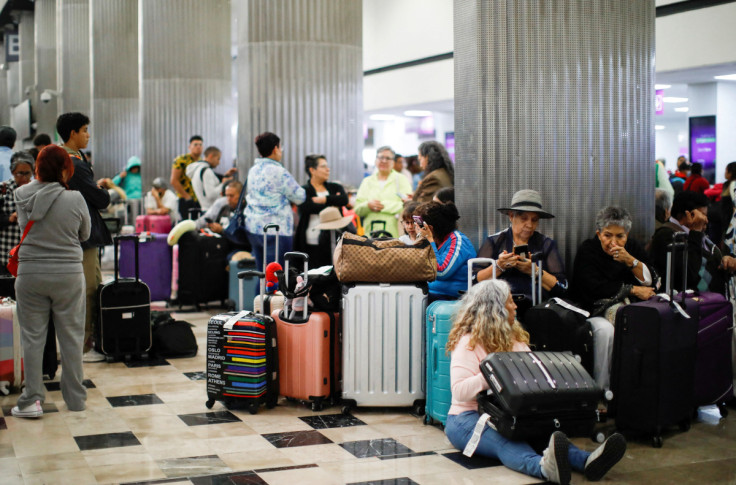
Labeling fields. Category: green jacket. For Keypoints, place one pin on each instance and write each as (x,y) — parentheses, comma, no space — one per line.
(370,189)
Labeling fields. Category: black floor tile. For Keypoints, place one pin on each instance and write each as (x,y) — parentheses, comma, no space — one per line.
(108,440)
(473,462)
(406,455)
(282,468)
(146,363)
(134,400)
(389,481)
(214,417)
(297,438)
(379,447)
(238,478)
(196,376)
(332,421)
(56,386)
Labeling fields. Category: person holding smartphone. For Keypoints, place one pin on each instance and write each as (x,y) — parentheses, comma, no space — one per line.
(514,247)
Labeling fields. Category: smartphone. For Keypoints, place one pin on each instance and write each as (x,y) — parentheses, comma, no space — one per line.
(418,220)
(521,250)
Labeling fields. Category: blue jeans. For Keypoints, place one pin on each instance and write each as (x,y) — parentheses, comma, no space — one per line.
(516,455)
(256,242)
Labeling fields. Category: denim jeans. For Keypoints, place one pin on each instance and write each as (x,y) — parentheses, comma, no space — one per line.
(516,455)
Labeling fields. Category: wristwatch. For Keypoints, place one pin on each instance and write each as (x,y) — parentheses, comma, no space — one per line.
(635,264)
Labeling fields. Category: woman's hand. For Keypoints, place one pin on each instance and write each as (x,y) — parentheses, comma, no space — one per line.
(621,255)
(322,199)
(507,260)
(375,205)
(424,231)
(642,292)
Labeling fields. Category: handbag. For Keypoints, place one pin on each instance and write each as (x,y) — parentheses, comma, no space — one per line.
(13,260)
(235,231)
(385,260)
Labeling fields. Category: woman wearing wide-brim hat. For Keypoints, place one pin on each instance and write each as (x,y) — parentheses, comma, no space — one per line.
(524,215)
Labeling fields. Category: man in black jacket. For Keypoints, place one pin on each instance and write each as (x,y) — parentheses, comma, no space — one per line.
(73,130)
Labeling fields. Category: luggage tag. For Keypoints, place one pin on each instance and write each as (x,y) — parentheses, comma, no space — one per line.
(477,431)
(677,306)
(570,307)
(230,323)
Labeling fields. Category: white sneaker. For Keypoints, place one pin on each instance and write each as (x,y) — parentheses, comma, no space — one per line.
(555,462)
(31,411)
(93,356)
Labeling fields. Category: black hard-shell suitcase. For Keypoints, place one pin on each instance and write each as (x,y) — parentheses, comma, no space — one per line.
(202,269)
(533,394)
(123,328)
(242,358)
(653,370)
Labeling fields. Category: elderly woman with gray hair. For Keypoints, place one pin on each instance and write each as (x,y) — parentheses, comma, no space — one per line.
(609,269)
(21,169)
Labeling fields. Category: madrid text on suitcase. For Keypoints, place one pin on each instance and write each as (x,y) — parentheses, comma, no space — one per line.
(308,346)
(123,328)
(242,359)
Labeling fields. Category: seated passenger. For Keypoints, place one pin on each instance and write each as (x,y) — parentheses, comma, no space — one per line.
(485,322)
(609,268)
(130,179)
(451,247)
(407,219)
(707,267)
(161,201)
(662,207)
(524,215)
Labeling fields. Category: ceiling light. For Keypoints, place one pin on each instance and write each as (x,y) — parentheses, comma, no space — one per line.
(727,77)
(662,86)
(673,99)
(420,113)
(684,109)
(659,127)
(381,117)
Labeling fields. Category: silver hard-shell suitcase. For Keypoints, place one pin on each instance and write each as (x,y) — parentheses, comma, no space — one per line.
(383,360)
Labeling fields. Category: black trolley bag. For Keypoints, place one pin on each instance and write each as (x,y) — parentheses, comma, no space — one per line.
(654,353)
(533,394)
(242,357)
(557,325)
(123,328)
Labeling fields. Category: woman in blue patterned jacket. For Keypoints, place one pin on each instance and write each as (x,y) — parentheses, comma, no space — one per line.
(271,191)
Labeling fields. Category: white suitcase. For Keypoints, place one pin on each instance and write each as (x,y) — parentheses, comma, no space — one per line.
(383,345)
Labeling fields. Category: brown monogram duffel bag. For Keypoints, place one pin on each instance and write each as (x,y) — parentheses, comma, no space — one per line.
(359,259)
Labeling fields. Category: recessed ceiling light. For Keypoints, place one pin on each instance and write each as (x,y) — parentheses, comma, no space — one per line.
(420,113)
(684,109)
(659,127)
(382,117)
(673,99)
(727,77)
(662,86)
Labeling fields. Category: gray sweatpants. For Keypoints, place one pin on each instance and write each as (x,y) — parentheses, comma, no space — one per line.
(63,296)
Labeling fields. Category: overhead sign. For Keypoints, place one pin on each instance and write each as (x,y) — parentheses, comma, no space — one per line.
(12,43)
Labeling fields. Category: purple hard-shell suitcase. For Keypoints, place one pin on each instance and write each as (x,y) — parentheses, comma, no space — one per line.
(155,266)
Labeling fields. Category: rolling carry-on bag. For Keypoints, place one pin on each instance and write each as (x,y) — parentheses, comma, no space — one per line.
(308,346)
(533,394)
(383,345)
(654,354)
(123,328)
(242,358)
(240,290)
(271,301)
(439,323)
(155,271)
(202,268)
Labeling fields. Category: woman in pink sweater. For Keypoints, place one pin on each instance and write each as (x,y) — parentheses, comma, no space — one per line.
(486,322)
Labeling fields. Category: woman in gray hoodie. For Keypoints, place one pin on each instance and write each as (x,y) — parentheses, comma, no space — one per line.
(50,280)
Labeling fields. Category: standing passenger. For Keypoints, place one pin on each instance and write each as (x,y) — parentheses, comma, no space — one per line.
(21,166)
(7,141)
(180,182)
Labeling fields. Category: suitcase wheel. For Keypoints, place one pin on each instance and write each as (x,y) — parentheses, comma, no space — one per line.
(317,406)
(721,407)
(657,441)
(253,408)
(109,359)
(418,407)
(348,405)
(428,419)
(210,403)
(599,437)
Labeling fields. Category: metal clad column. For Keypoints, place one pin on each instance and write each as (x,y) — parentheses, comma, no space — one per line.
(27,54)
(73,62)
(185,80)
(557,97)
(115,103)
(300,76)
(45,44)
(4,102)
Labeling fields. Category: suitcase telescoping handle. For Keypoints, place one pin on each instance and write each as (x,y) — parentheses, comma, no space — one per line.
(262,283)
(116,244)
(288,258)
(536,279)
(265,244)
(679,243)
(471,264)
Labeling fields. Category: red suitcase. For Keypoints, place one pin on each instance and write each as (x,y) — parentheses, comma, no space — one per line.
(308,349)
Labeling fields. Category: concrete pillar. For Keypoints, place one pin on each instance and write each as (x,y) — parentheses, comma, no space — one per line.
(185,80)
(115,100)
(45,65)
(4,105)
(556,96)
(300,76)
(72,56)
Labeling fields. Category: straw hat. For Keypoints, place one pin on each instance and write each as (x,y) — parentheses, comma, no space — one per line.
(330,218)
(527,200)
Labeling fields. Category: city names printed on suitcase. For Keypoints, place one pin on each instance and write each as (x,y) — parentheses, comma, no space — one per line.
(236,364)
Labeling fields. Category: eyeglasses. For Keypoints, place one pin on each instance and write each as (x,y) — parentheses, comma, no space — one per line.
(383,158)
(22,174)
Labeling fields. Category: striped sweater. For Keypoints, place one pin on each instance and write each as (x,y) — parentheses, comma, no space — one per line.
(452,264)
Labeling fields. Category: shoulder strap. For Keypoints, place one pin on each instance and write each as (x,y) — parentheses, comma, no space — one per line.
(25,232)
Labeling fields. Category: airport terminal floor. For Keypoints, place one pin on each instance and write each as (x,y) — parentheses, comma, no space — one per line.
(148,424)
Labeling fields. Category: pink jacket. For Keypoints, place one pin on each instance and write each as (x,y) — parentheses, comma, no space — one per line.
(465,376)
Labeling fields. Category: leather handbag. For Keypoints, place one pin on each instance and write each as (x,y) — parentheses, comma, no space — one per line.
(235,231)
(383,260)
(13,260)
